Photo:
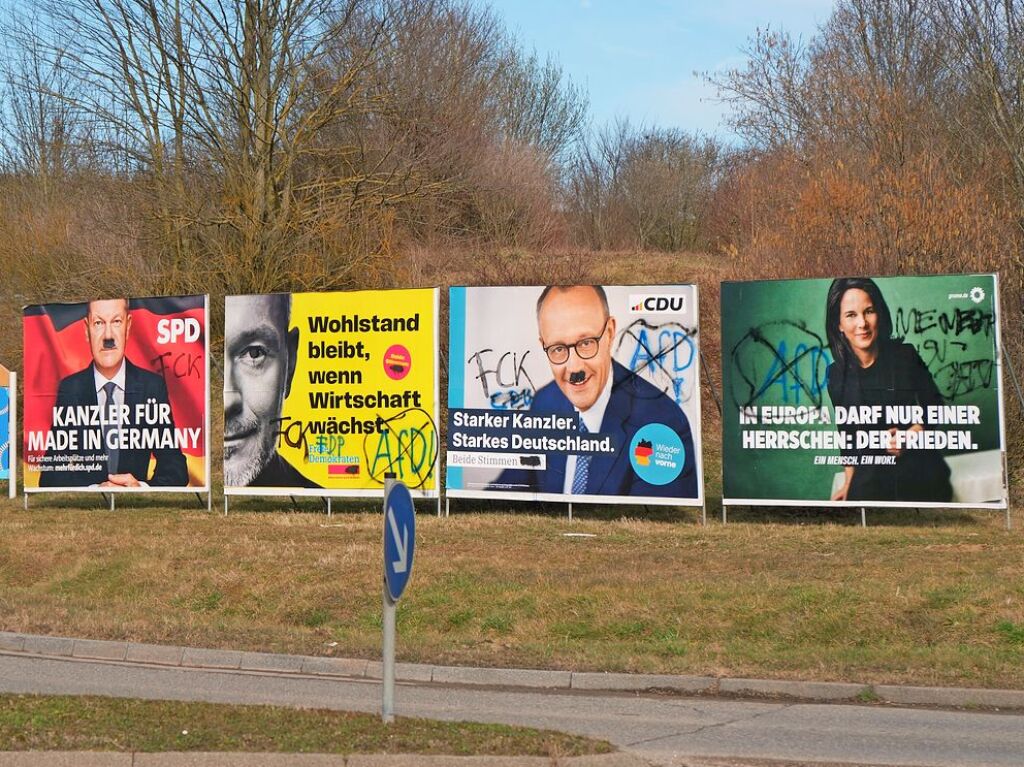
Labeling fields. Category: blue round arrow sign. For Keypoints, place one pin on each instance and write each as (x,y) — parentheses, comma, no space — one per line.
(399,539)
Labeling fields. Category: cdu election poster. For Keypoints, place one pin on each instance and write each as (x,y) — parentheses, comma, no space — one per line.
(863,391)
(575,393)
(326,393)
(116,393)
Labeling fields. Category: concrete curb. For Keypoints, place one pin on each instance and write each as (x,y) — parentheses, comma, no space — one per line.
(199,658)
(250,759)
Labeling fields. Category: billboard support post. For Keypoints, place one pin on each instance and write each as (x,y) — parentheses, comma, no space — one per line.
(447,506)
(12,403)
(863,517)
(570,512)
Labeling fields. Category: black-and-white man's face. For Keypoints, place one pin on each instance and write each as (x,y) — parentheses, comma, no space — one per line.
(256,370)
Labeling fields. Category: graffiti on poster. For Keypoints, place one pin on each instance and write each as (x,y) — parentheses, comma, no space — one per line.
(587,392)
(330,392)
(115,394)
(860,390)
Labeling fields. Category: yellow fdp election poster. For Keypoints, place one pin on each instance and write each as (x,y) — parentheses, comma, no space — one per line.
(326,393)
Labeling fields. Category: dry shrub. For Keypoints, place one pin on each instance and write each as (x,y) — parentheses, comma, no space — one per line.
(513,191)
(832,213)
(782,217)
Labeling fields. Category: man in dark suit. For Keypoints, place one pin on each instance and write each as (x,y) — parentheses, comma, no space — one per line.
(259,363)
(576,333)
(118,387)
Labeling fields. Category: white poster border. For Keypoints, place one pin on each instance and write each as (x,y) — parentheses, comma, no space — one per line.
(370,493)
(618,500)
(207,486)
(997,505)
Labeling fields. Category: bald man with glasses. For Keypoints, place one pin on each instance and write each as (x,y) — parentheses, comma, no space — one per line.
(576,333)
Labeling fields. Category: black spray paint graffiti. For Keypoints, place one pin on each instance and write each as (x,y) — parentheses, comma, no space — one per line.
(665,355)
(405,444)
(407,447)
(954,322)
(779,361)
(183,365)
(936,334)
(784,362)
(505,382)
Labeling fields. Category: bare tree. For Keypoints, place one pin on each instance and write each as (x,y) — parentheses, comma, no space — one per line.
(642,188)
(987,58)
(218,105)
(42,134)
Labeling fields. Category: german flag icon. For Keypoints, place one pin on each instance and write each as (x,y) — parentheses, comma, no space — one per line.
(643,451)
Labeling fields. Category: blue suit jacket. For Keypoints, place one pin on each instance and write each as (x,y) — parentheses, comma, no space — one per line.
(140,386)
(634,403)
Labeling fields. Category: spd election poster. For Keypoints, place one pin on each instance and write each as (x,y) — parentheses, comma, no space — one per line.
(863,392)
(581,393)
(326,393)
(116,394)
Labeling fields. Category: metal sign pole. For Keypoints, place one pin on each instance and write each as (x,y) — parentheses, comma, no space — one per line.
(387,710)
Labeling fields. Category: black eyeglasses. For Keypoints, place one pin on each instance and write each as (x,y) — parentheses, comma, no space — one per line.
(586,348)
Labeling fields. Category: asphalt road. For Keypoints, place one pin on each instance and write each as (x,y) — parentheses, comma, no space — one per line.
(662,730)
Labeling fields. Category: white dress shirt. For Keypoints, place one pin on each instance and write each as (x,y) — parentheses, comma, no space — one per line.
(592,419)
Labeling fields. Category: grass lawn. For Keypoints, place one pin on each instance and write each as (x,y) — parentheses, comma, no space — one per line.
(930,598)
(69,723)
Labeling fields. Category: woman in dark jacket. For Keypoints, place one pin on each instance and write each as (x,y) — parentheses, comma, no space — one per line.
(872,368)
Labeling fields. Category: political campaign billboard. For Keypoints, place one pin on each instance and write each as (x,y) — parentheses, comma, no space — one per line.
(863,392)
(116,394)
(327,393)
(580,393)
(6,401)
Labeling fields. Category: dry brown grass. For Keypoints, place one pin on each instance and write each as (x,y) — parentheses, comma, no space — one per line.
(932,598)
(929,598)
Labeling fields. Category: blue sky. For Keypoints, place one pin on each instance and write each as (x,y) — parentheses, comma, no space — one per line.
(637,59)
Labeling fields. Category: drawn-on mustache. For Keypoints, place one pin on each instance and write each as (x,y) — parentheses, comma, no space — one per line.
(109,343)
(577,376)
